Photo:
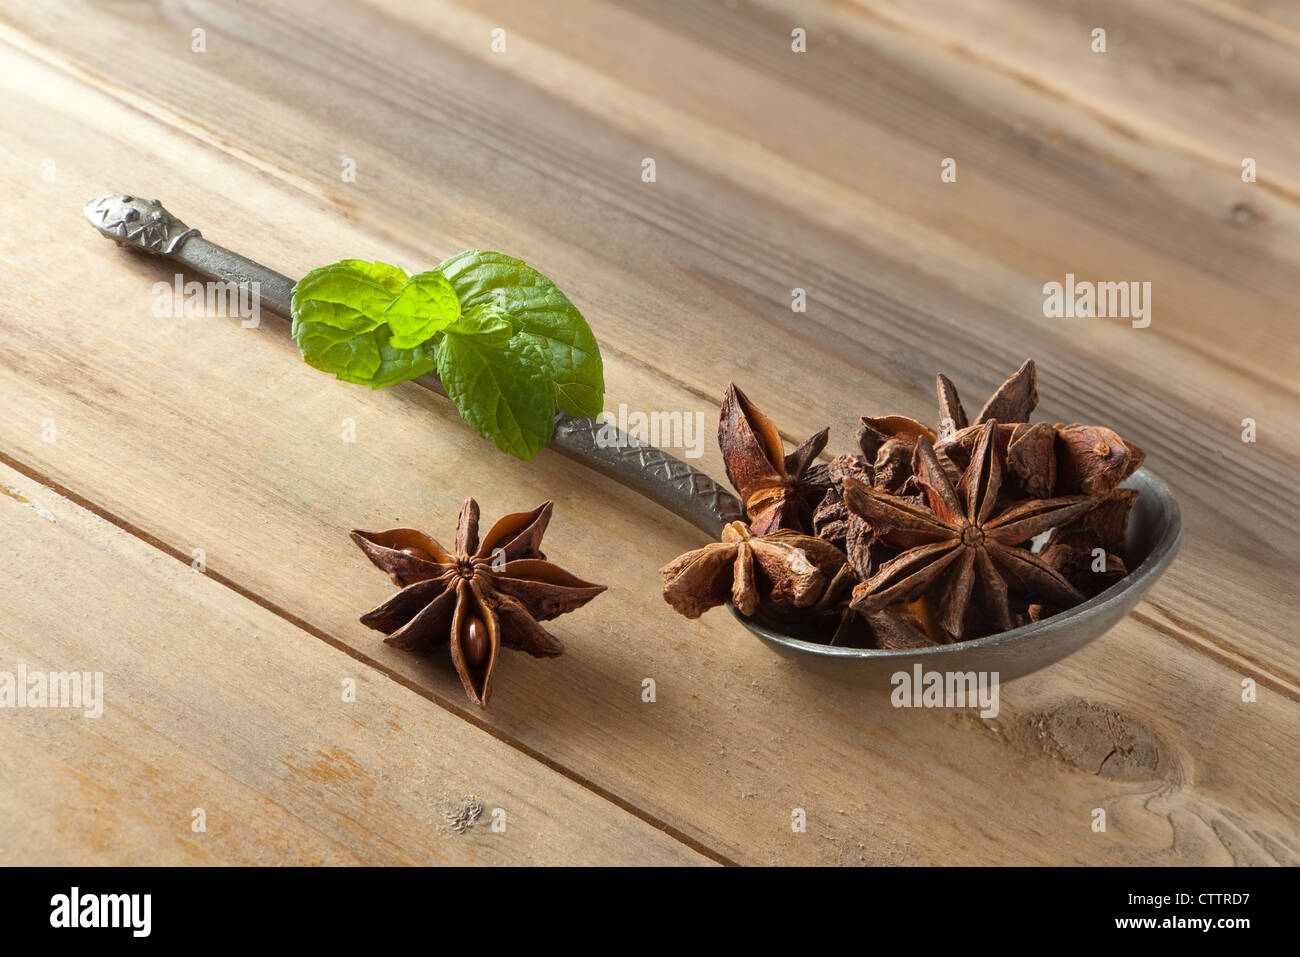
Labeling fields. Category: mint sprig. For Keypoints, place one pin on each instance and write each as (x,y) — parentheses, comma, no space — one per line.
(543,315)
(508,345)
(426,305)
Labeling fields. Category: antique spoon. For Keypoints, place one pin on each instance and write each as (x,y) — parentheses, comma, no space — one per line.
(1154,529)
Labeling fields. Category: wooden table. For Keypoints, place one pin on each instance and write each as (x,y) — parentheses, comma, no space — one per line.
(138,448)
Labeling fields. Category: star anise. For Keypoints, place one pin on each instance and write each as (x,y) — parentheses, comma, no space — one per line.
(1042,459)
(779,491)
(897,627)
(784,567)
(889,441)
(961,539)
(477,597)
(1089,551)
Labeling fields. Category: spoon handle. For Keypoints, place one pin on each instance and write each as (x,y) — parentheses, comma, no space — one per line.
(662,478)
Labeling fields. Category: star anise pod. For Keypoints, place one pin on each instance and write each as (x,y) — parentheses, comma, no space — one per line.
(477,597)
(1042,460)
(890,440)
(962,539)
(779,491)
(1012,402)
(784,567)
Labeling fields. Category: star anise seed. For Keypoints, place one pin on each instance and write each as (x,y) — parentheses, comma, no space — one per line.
(476,597)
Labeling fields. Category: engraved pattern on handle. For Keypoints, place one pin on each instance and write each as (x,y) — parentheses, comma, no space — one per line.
(650,471)
(144,224)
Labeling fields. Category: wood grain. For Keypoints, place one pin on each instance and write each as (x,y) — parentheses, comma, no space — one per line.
(196,433)
(211,702)
(715,258)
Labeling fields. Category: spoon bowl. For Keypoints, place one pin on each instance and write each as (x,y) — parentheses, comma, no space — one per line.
(1154,532)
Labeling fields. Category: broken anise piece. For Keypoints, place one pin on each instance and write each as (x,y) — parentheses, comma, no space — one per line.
(477,597)
(1031,459)
(1082,562)
(784,567)
(1012,402)
(834,522)
(779,491)
(889,628)
(1093,460)
(1108,521)
(961,539)
(1014,399)
(877,430)
(1089,551)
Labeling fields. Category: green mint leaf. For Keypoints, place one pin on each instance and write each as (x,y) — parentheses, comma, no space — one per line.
(542,316)
(398,365)
(350,356)
(366,359)
(501,385)
(338,322)
(348,295)
(486,323)
(508,345)
(423,307)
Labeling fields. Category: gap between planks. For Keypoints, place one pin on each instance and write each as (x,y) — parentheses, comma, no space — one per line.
(160,113)
(464,714)
(237,159)
(1175,628)
(1181,630)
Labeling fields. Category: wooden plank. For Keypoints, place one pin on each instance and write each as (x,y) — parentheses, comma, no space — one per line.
(172,420)
(1033,164)
(1220,248)
(1215,82)
(1279,19)
(208,702)
(878,327)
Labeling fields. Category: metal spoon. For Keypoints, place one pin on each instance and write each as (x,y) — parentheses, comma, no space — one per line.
(1154,530)
(665,480)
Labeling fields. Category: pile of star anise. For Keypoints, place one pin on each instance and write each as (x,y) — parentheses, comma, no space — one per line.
(922,536)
